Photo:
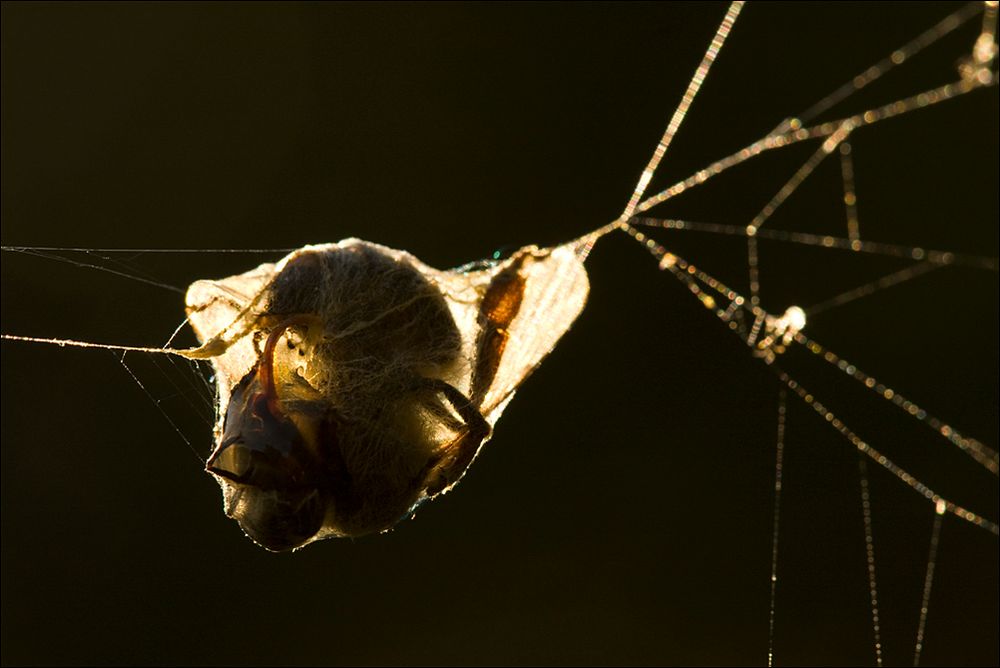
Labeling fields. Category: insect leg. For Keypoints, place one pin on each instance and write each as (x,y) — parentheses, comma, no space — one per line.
(445,470)
(499,307)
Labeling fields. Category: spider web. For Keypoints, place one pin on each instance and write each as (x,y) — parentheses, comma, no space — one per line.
(714,294)
(769,335)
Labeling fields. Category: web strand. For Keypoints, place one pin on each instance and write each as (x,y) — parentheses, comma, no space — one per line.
(239,251)
(686,100)
(982,454)
(933,256)
(778,471)
(775,141)
(156,402)
(868,289)
(925,598)
(894,59)
(850,196)
(866,513)
(189,353)
(45,254)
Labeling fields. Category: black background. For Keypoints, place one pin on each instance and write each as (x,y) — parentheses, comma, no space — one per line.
(622,511)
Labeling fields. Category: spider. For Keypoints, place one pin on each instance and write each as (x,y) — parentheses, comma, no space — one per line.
(359,383)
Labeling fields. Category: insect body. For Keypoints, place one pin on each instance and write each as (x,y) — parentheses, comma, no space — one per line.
(357,382)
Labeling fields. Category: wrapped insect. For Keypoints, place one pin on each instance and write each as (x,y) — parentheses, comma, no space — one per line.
(355,382)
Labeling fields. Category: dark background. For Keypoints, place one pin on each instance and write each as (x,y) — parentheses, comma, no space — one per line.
(622,512)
